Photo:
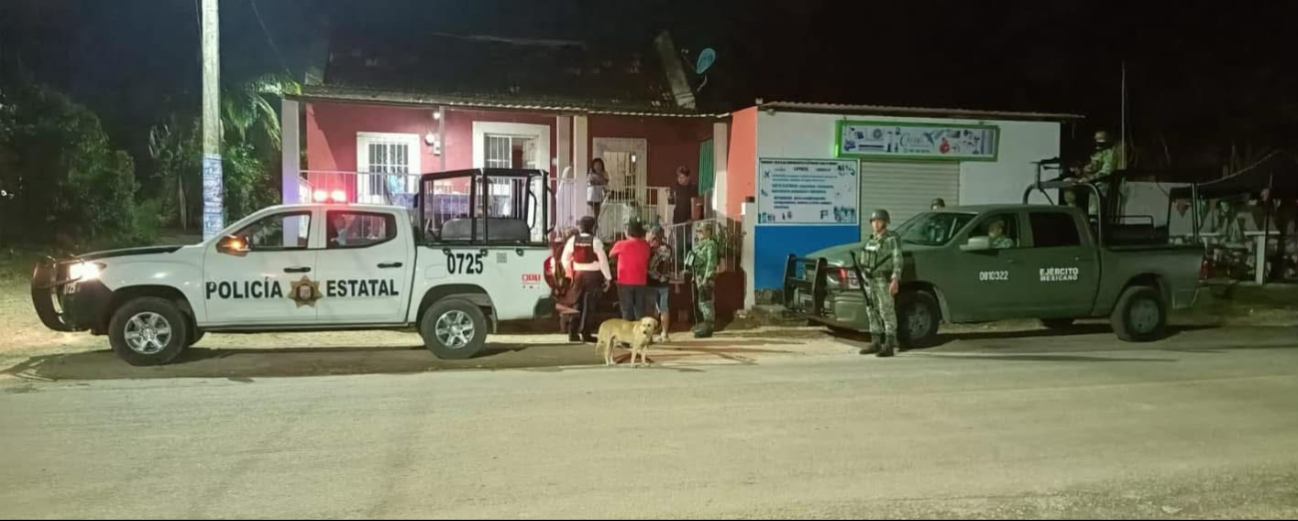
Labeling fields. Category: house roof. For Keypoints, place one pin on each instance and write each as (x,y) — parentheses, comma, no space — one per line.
(883,110)
(494,72)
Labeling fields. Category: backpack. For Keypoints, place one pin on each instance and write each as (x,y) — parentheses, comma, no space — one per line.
(583,249)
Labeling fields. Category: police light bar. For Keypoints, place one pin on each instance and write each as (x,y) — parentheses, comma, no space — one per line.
(337,196)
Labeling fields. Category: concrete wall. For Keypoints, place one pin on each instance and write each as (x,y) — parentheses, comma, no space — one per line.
(741,167)
(811,136)
(331,135)
(800,135)
(673,142)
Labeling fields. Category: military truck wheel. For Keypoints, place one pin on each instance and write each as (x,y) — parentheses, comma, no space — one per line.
(1140,315)
(454,329)
(148,331)
(1057,323)
(918,318)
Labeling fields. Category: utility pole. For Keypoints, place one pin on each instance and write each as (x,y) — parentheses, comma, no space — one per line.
(213,184)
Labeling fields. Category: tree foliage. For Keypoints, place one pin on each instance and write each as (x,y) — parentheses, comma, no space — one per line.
(250,147)
(70,182)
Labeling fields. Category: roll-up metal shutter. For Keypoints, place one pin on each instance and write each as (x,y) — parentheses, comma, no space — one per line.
(905,189)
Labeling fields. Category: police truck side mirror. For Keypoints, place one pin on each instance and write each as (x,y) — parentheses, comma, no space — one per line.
(232,245)
(981,243)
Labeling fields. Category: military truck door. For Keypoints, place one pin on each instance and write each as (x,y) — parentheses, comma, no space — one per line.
(1065,272)
(990,277)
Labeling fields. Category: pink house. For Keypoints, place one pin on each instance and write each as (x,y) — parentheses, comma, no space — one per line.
(383,115)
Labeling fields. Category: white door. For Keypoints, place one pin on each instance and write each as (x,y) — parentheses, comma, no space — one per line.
(388,168)
(274,283)
(364,268)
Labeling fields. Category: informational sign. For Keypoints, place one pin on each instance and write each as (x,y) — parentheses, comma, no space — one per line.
(807,191)
(917,141)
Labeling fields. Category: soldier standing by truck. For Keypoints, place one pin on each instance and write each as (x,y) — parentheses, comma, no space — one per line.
(881,264)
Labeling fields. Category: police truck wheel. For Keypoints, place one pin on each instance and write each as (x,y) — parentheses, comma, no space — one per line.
(1140,316)
(1057,323)
(148,331)
(918,318)
(454,329)
(195,336)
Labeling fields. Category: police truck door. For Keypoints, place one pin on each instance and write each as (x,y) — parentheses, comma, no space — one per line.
(365,267)
(271,282)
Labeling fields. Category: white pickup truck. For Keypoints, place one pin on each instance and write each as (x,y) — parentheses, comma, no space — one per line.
(453,268)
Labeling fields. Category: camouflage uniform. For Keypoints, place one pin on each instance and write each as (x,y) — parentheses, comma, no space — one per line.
(702,262)
(881,263)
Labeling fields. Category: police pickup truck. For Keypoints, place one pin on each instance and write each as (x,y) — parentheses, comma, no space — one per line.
(469,256)
(984,263)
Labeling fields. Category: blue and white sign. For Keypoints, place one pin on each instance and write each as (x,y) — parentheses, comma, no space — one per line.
(807,191)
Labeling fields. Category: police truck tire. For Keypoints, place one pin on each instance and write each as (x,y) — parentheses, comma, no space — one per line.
(918,318)
(1057,323)
(1140,315)
(196,335)
(148,331)
(454,329)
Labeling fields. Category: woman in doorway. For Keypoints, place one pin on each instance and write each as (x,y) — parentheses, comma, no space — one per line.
(597,181)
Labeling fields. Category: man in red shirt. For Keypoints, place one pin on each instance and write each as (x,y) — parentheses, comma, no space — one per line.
(632,256)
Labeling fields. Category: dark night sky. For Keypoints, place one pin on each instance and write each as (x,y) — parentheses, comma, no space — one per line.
(1202,72)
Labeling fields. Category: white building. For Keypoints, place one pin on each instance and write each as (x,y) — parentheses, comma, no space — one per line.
(797,160)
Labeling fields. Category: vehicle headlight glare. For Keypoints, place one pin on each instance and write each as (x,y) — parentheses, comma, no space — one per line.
(85,271)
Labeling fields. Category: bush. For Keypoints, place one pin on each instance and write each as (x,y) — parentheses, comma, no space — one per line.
(70,182)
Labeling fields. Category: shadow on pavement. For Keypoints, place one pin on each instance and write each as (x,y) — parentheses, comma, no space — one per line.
(1052,358)
(238,364)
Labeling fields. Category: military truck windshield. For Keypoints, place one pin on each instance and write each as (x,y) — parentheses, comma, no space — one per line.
(933,229)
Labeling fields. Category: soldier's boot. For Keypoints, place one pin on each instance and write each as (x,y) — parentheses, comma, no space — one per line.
(889,345)
(876,342)
(703,330)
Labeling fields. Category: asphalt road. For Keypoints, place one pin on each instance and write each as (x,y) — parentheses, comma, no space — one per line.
(1203,425)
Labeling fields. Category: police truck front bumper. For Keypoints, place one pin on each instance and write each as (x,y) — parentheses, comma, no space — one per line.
(67,303)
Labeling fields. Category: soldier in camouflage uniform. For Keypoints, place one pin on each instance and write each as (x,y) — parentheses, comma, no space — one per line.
(702,264)
(881,264)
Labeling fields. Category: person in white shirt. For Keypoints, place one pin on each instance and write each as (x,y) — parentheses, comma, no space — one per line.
(584,258)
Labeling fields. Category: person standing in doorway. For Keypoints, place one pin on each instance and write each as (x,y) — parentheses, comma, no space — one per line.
(596,185)
(584,258)
(632,256)
(660,279)
(682,195)
(702,263)
(881,264)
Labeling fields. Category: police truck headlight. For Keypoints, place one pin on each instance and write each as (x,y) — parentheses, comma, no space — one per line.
(84,271)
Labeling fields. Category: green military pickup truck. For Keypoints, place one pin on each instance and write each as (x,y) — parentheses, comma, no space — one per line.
(974,264)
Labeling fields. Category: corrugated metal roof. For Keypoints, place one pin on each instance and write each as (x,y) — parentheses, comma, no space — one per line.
(883,110)
(496,72)
(519,103)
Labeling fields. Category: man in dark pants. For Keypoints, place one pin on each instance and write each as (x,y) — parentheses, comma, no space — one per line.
(584,257)
(682,195)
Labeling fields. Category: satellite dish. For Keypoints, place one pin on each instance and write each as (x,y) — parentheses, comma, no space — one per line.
(706,59)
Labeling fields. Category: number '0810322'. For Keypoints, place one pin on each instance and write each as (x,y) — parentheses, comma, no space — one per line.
(988,276)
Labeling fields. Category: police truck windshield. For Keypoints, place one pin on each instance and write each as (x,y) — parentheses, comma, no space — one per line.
(933,229)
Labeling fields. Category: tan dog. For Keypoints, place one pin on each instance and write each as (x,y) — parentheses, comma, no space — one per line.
(639,335)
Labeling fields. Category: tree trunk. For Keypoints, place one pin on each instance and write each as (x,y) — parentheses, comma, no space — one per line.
(180,203)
